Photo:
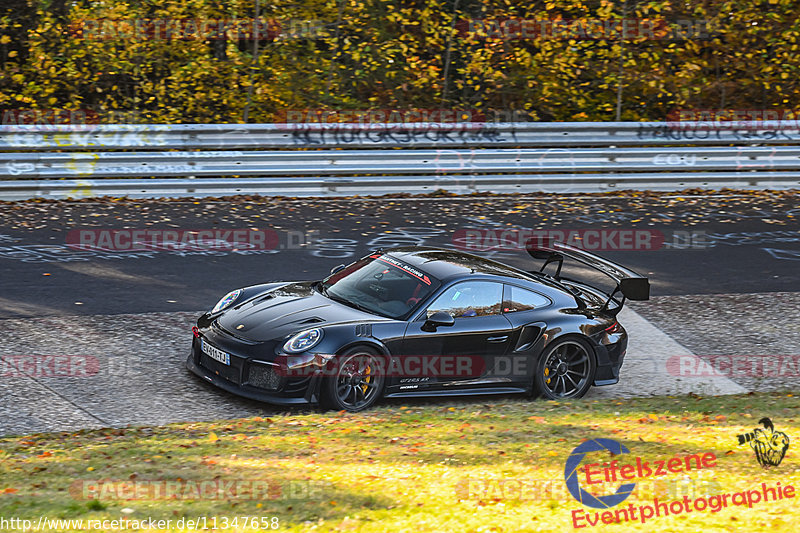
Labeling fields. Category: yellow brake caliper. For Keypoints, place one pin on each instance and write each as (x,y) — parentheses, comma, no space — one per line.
(369,378)
(546,374)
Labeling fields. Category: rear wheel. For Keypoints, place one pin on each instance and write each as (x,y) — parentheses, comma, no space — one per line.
(355,381)
(565,370)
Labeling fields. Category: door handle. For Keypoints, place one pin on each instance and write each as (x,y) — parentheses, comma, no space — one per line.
(498,339)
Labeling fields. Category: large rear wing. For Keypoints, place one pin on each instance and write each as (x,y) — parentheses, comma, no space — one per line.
(632,285)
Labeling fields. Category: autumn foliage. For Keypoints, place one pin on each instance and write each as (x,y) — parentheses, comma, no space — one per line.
(382,54)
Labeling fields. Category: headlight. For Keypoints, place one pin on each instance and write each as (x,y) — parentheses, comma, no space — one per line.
(226,300)
(300,342)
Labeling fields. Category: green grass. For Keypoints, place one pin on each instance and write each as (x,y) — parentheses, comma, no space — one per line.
(402,468)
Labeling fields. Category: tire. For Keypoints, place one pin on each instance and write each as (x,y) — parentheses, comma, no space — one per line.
(566,369)
(355,380)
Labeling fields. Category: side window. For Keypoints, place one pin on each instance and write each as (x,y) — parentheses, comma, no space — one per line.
(518,299)
(471,298)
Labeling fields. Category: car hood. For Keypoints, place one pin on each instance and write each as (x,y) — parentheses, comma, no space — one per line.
(286,310)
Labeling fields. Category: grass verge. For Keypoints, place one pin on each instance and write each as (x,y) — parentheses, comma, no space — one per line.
(458,466)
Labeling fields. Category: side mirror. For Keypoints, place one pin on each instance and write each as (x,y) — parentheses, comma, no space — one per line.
(336,269)
(439,319)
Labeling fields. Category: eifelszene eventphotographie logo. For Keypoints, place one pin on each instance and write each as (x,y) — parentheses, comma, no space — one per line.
(571,474)
(769,445)
(586,480)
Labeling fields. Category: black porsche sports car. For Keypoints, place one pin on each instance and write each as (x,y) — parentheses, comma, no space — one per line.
(419,321)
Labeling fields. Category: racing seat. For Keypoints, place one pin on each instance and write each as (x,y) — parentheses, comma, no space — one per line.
(411,302)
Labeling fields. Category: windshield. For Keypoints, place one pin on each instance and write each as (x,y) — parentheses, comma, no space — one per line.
(380,284)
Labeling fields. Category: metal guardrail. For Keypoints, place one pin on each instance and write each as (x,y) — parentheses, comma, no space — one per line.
(392,162)
(419,135)
(361,185)
(332,159)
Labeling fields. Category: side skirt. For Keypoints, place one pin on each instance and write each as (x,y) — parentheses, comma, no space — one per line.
(460,392)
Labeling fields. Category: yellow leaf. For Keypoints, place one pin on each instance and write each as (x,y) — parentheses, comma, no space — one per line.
(213,437)
(652,417)
(5,39)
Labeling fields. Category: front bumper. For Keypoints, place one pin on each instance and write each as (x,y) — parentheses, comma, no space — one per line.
(258,380)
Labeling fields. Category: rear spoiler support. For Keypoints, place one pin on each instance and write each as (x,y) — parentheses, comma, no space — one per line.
(553,258)
(631,284)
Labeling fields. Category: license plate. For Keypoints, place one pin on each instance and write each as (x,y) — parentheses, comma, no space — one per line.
(215,353)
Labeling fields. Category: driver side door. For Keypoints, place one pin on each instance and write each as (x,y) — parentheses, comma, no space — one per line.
(462,355)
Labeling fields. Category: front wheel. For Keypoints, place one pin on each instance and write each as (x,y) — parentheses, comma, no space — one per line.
(354,381)
(565,370)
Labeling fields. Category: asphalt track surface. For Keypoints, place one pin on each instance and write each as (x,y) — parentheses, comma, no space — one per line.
(734,293)
(744,245)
